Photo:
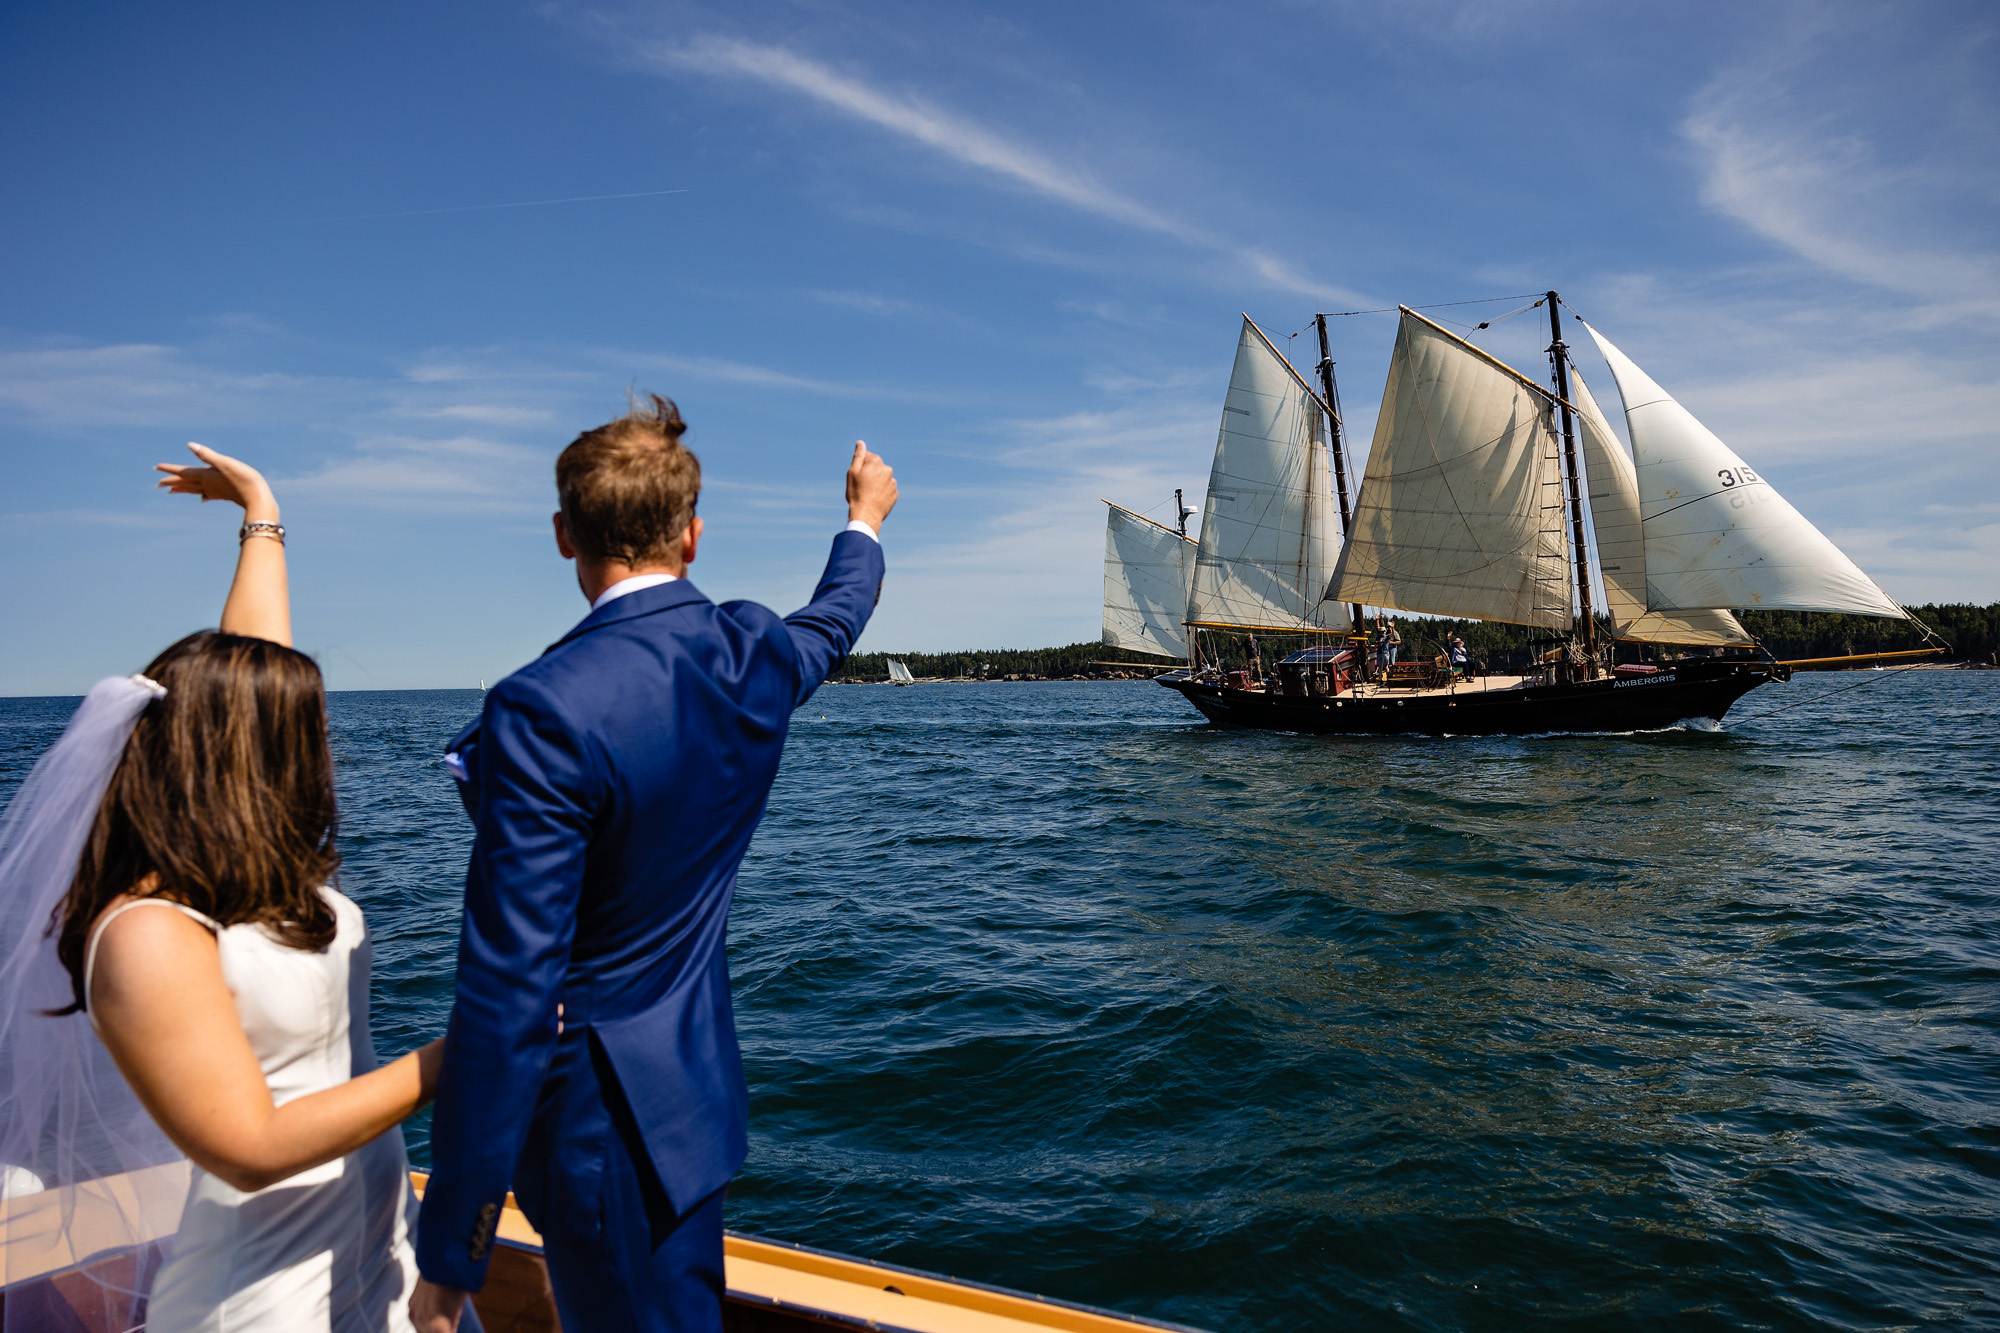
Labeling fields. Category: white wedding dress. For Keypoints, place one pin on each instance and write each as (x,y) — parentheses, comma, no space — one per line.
(327,1250)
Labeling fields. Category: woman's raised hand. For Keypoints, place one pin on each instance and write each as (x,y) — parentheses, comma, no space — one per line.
(260,603)
(220,477)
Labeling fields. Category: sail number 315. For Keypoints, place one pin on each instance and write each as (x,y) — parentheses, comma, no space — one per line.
(1736,476)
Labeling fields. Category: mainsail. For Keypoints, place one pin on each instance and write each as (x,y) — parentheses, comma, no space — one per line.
(1461,510)
(1716,533)
(899,674)
(1268,530)
(1147,569)
(1621,544)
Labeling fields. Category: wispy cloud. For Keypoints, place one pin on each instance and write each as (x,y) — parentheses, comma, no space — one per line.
(969,143)
(739,372)
(491,414)
(487,208)
(869,303)
(457,473)
(1865,177)
(952,135)
(68,383)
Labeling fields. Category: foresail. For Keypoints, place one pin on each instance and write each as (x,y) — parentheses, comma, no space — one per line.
(1461,510)
(1716,533)
(1621,543)
(1268,528)
(1147,568)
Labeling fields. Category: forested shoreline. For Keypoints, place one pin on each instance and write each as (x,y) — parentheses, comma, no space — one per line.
(1972,631)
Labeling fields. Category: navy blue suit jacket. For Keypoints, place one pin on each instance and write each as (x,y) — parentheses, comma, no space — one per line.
(614,784)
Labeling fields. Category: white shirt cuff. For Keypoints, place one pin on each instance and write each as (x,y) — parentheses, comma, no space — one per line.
(856,525)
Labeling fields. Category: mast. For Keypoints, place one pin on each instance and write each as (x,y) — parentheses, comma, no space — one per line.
(1339,441)
(1181,511)
(1559,361)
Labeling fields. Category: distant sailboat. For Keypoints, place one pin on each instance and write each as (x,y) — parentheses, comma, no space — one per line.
(1473,505)
(900,674)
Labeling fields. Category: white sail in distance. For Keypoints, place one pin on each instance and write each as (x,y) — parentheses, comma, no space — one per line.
(1621,542)
(1269,531)
(900,674)
(1147,569)
(1717,534)
(1461,509)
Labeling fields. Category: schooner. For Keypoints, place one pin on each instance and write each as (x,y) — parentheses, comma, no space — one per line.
(1480,485)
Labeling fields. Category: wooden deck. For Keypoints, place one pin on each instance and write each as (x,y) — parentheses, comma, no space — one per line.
(1456,689)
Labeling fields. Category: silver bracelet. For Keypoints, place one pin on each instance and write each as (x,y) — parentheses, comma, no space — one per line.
(261,528)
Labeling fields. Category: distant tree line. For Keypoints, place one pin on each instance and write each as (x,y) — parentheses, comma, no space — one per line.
(1972,631)
(1072,662)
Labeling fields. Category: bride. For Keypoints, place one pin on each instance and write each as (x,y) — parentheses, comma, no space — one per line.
(171,859)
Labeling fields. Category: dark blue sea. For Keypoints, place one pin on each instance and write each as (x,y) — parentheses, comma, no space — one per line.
(1056,986)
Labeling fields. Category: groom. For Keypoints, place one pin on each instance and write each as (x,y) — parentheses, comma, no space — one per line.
(614,783)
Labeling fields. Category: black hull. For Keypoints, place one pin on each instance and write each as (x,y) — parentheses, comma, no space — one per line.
(1702,688)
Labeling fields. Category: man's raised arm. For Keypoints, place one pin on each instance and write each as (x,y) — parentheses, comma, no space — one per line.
(825,630)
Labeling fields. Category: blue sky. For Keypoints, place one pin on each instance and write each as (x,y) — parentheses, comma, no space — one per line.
(1007,245)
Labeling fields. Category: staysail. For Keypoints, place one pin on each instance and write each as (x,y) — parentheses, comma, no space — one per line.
(1147,569)
(1461,510)
(1621,542)
(1268,530)
(1716,533)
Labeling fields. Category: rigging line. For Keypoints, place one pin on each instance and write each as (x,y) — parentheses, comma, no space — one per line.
(1502,319)
(1930,635)
(1435,305)
(1873,679)
(1739,486)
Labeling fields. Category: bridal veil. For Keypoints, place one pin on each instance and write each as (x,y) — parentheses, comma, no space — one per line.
(86,1179)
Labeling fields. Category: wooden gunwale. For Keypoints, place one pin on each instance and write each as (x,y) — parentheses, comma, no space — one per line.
(771,1286)
(777,1286)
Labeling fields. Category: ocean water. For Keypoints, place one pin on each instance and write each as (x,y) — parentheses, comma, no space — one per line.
(1058,987)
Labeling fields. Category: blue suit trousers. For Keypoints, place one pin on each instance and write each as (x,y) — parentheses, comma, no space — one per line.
(620,1259)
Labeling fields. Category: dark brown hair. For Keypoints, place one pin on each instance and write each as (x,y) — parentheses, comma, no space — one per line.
(628,488)
(224,797)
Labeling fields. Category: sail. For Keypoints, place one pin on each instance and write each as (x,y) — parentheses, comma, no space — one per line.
(1147,567)
(1621,544)
(1717,534)
(1461,510)
(1268,529)
(900,674)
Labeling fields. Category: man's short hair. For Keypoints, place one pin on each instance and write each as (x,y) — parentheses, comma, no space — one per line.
(628,488)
